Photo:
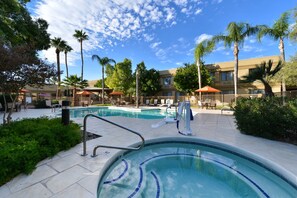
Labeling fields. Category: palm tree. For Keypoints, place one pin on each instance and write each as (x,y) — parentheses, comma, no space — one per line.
(237,32)
(264,74)
(103,62)
(279,31)
(202,49)
(67,48)
(75,82)
(81,36)
(58,43)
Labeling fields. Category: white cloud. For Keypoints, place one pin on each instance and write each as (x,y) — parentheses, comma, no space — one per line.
(217,1)
(155,45)
(198,11)
(108,21)
(202,37)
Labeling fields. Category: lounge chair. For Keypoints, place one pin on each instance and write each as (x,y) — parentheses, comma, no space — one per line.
(155,102)
(147,102)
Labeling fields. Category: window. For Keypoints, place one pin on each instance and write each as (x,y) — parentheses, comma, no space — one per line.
(251,70)
(227,76)
(212,75)
(167,81)
(256,91)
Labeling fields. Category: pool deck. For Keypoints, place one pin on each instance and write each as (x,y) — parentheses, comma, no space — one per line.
(70,175)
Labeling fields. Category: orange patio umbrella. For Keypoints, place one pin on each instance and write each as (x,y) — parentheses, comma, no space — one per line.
(84,93)
(116,93)
(208,89)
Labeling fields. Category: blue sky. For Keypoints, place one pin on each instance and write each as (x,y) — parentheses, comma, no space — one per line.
(162,33)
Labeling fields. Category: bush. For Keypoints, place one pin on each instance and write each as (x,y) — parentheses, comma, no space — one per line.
(40,104)
(25,143)
(268,118)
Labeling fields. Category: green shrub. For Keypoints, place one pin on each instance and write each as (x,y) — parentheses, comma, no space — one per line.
(25,143)
(40,104)
(267,117)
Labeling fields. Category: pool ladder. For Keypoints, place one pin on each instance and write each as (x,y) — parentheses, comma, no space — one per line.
(107,146)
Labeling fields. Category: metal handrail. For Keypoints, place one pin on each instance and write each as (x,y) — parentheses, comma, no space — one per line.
(105,146)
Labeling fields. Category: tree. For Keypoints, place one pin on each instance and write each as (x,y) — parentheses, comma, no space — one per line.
(202,49)
(263,73)
(66,48)
(293,33)
(19,68)
(17,26)
(75,82)
(289,71)
(150,82)
(185,79)
(103,62)
(81,36)
(58,43)
(119,77)
(236,33)
(99,84)
(279,31)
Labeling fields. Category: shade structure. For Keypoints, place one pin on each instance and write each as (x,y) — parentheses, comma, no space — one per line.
(116,93)
(208,89)
(84,93)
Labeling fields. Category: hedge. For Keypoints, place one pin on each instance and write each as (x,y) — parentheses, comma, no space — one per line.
(267,118)
(25,143)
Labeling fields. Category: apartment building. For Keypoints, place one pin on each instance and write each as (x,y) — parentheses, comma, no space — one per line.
(222,74)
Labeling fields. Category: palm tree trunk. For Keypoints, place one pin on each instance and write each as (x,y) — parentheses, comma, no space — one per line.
(66,64)
(268,89)
(59,74)
(199,78)
(235,53)
(281,47)
(82,61)
(102,84)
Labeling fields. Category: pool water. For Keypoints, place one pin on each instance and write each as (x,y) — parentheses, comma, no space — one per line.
(190,170)
(105,112)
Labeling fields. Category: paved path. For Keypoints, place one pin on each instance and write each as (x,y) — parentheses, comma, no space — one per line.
(69,175)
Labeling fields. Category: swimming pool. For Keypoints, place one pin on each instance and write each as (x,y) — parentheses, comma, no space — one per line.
(124,112)
(192,169)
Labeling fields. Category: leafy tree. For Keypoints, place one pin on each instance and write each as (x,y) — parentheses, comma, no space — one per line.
(66,48)
(263,73)
(202,49)
(236,33)
(150,82)
(185,79)
(119,77)
(103,62)
(75,82)
(81,36)
(289,72)
(19,68)
(99,84)
(17,26)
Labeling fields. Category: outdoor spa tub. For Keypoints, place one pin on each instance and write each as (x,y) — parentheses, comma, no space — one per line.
(189,167)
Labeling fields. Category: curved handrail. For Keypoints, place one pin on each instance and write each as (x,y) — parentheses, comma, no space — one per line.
(105,146)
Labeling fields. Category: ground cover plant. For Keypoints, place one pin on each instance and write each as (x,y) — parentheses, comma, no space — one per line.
(25,143)
(268,118)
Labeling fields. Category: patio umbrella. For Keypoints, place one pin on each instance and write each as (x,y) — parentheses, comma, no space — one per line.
(116,93)
(84,93)
(24,90)
(208,89)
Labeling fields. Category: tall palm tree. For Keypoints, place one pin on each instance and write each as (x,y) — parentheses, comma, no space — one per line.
(58,43)
(81,36)
(236,33)
(279,31)
(264,74)
(202,49)
(75,82)
(103,62)
(67,48)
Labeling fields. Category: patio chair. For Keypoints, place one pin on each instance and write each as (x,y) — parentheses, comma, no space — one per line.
(155,102)
(212,105)
(147,102)
(162,103)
